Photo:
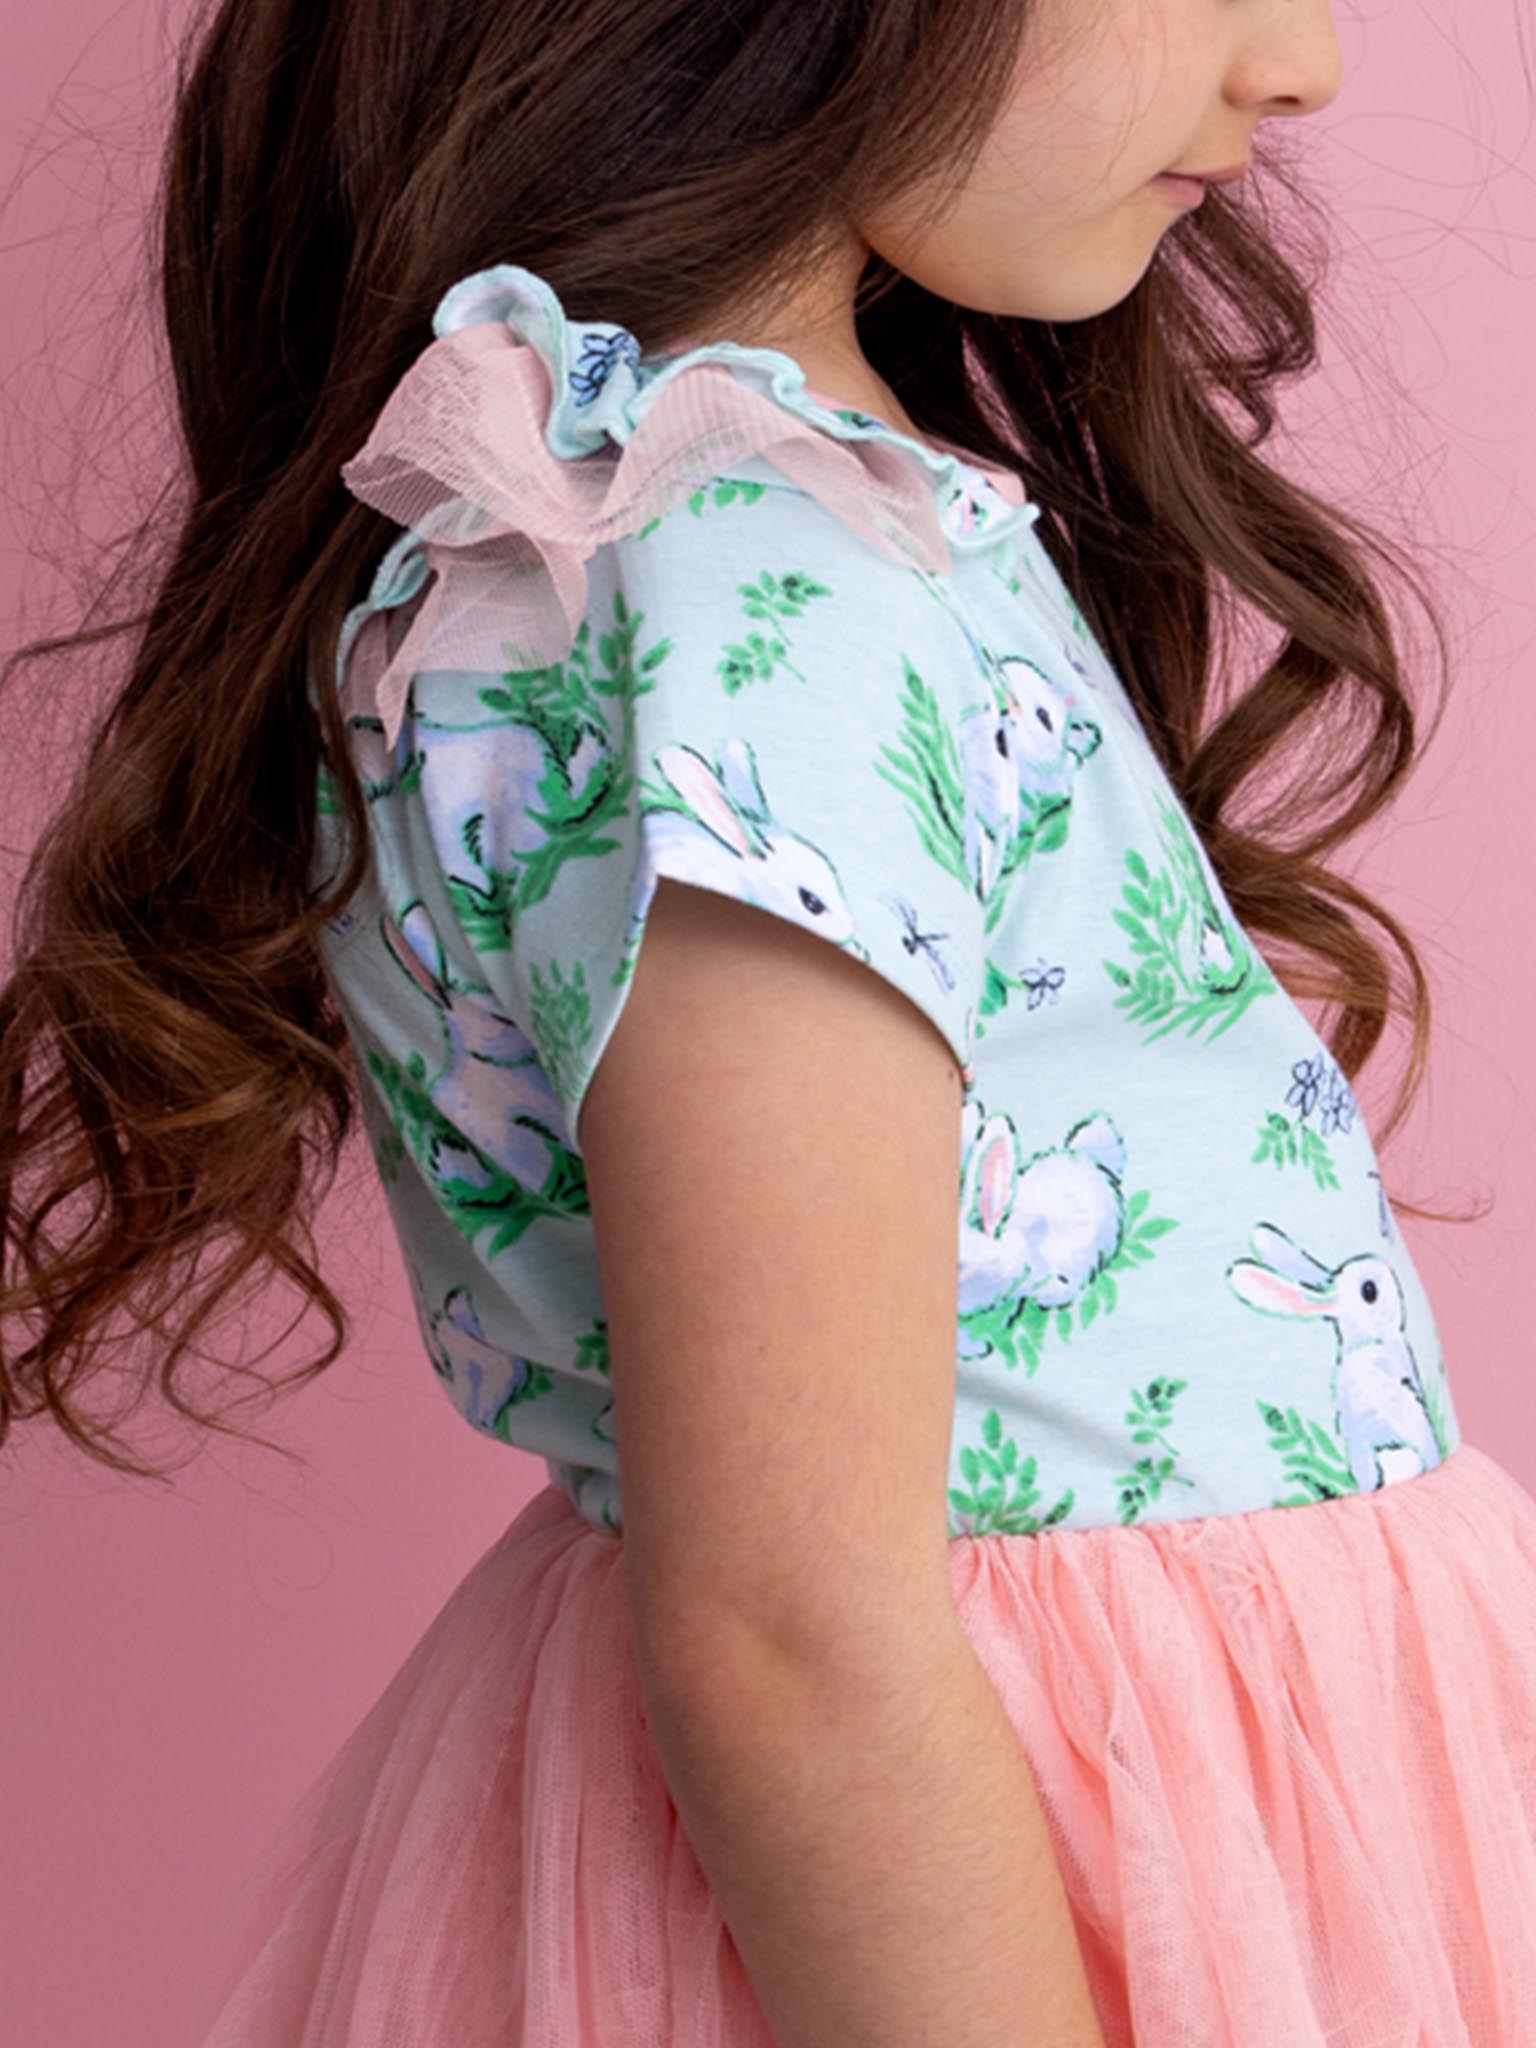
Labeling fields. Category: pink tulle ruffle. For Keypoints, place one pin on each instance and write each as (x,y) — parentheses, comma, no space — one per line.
(1287,1758)
(460,454)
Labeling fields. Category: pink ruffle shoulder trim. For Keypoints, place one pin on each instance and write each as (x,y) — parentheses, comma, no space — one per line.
(460,455)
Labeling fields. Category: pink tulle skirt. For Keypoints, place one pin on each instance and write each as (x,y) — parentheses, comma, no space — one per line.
(1287,1759)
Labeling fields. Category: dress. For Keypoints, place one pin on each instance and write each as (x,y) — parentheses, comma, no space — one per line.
(1265,1625)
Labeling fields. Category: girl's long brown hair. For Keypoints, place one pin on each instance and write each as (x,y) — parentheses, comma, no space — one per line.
(332,166)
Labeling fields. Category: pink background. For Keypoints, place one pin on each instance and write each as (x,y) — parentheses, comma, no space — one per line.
(179,1661)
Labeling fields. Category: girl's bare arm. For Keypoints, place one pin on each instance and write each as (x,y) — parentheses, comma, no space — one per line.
(878,1852)
(772,1149)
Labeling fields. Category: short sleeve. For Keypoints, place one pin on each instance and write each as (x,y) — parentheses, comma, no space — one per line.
(756,702)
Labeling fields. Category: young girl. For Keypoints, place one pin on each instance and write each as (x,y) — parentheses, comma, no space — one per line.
(683,681)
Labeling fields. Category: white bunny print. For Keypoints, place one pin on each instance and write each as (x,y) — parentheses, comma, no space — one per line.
(490,1086)
(485,787)
(483,1380)
(723,836)
(1043,1231)
(1378,1390)
(1021,749)
(1022,752)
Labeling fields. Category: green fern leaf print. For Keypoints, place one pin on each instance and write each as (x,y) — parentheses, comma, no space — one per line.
(1195,968)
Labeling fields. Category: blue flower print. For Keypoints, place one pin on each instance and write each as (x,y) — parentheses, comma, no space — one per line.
(1338,1104)
(1308,1074)
(601,355)
(1319,1076)
(1043,983)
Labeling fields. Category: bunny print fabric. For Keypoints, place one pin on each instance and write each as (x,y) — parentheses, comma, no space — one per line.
(1262,1623)
(1181,1291)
